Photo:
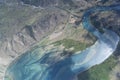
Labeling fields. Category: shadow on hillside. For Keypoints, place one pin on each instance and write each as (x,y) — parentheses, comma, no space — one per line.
(117,51)
(84,76)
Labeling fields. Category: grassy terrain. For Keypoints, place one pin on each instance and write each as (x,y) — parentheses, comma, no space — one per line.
(99,72)
(69,43)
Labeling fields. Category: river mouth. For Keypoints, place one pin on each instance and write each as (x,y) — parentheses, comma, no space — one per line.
(47,67)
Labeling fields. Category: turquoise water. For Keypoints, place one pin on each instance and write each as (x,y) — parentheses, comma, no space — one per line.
(40,65)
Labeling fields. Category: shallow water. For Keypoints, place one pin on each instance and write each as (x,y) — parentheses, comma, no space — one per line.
(39,65)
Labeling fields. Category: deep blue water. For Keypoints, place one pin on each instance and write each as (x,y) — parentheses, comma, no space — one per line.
(39,65)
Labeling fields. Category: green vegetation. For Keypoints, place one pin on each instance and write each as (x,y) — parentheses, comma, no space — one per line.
(69,43)
(99,72)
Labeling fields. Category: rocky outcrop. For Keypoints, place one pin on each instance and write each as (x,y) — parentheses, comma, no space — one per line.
(47,3)
(28,35)
(42,3)
(109,20)
(72,3)
(23,31)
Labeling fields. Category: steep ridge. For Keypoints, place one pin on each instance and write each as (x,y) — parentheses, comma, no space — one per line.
(52,66)
(21,30)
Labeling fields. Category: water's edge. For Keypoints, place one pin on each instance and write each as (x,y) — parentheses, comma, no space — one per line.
(34,66)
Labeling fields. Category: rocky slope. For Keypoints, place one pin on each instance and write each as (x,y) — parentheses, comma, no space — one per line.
(25,23)
(19,30)
(23,26)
